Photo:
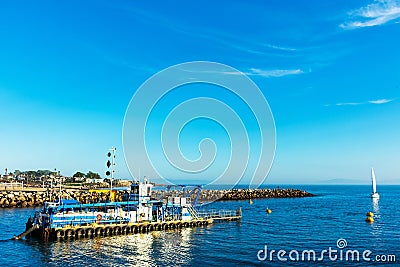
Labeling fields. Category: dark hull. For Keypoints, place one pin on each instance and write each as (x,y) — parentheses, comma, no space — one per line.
(48,234)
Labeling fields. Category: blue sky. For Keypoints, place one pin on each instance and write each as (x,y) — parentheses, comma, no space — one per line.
(329,70)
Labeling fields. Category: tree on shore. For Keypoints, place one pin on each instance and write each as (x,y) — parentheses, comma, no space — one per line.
(78,175)
(93,175)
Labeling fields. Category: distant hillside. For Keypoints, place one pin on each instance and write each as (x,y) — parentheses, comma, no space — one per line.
(346,181)
(360,181)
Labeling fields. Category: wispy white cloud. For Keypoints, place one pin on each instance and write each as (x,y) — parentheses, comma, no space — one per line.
(270,73)
(266,73)
(349,104)
(377,13)
(221,37)
(274,73)
(380,101)
(374,102)
(278,47)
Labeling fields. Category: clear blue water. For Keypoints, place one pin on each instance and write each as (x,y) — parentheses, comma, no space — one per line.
(295,224)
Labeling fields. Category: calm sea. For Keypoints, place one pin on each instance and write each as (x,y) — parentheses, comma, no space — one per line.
(294,226)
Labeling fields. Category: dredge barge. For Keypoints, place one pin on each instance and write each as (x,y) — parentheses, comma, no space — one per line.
(137,213)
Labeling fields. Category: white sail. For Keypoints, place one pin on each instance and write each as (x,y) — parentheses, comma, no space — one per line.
(374,193)
(373,180)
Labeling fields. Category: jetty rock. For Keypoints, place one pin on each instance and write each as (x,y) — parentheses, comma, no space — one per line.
(35,198)
(244,194)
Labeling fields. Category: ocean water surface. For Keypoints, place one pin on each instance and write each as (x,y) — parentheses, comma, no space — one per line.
(295,225)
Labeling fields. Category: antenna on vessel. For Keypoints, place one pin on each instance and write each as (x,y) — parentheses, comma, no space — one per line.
(134,179)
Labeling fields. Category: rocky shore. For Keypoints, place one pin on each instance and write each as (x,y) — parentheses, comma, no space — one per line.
(32,198)
(242,194)
(22,199)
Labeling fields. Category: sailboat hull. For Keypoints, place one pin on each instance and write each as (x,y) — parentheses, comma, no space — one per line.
(375,195)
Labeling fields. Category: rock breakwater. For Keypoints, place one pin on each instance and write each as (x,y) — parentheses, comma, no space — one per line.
(241,194)
(22,199)
(31,198)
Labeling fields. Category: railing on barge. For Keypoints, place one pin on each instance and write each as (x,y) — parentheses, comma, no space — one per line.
(221,215)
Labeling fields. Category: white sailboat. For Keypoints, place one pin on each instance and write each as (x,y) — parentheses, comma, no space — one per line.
(374,193)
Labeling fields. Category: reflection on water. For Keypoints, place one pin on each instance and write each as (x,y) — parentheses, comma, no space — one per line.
(375,205)
(179,241)
(136,249)
(376,227)
(307,223)
(97,244)
(150,249)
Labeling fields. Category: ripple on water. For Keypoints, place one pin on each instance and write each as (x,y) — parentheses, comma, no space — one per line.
(308,223)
